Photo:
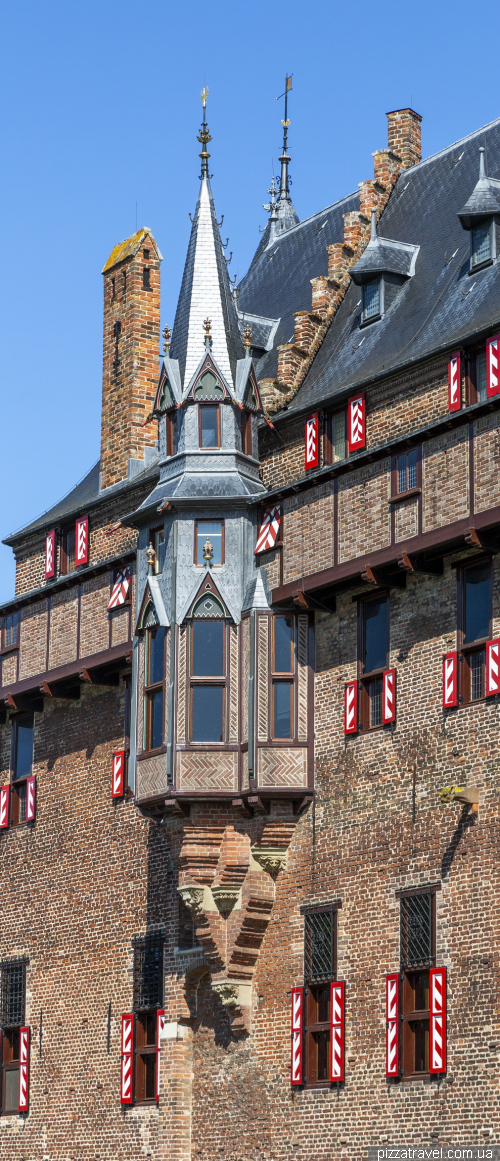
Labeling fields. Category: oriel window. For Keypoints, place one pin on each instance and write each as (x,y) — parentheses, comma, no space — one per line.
(208,680)
(319,971)
(172,433)
(246,432)
(209,424)
(282,685)
(154,691)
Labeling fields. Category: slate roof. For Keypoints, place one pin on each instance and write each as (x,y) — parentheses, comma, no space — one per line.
(436,309)
(83,496)
(485,198)
(278,281)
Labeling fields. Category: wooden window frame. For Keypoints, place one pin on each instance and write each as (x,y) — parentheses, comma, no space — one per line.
(408,492)
(10,1031)
(65,566)
(409,1014)
(366,679)
(246,432)
(203,520)
(466,649)
(203,680)
(172,432)
(149,690)
(470,362)
(16,625)
(142,1050)
(277,677)
(215,446)
(312,1028)
(329,441)
(18,790)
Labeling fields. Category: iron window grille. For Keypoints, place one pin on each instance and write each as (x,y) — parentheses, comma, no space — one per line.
(319,946)
(12,993)
(148,972)
(417,950)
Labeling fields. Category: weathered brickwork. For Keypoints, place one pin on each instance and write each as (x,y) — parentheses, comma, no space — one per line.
(445,472)
(303,515)
(364,516)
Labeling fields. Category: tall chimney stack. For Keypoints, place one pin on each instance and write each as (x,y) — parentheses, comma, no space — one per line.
(404,135)
(130,355)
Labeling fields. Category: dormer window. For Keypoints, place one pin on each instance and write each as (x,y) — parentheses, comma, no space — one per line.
(372,300)
(481,237)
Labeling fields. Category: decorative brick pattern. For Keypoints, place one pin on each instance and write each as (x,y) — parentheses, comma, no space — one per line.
(181,684)
(302,678)
(263,678)
(280,767)
(245,666)
(208,771)
(234,685)
(152,776)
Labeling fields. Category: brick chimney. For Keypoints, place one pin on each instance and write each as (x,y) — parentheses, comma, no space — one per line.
(404,136)
(130,355)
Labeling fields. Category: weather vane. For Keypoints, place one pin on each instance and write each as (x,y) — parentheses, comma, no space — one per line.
(204,136)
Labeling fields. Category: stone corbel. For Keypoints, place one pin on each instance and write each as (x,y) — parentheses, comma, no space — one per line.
(270,859)
(192,897)
(226,897)
(233,993)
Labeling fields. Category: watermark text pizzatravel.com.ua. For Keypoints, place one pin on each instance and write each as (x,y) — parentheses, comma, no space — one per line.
(434,1153)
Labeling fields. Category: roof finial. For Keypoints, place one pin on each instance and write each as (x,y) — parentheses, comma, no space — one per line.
(373,231)
(167,335)
(271,206)
(247,335)
(204,136)
(284,190)
(207,325)
(482,172)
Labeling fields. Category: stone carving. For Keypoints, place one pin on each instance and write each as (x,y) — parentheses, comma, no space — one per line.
(192,897)
(225,897)
(227,992)
(271,859)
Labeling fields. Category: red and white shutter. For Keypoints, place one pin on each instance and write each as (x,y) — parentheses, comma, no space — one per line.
(337,1016)
(24,1069)
(4,806)
(50,554)
(160,1024)
(311,441)
(297,1035)
(82,540)
(492,667)
(450,682)
(268,532)
(392,1024)
(389,696)
(492,367)
(454,382)
(351,708)
(126,1087)
(118,777)
(119,592)
(437,1048)
(356,422)
(30,798)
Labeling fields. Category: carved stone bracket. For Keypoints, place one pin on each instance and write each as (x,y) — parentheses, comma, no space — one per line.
(270,859)
(233,993)
(225,896)
(192,897)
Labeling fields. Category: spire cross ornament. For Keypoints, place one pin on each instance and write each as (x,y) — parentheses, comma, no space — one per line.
(204,136)
(284,192)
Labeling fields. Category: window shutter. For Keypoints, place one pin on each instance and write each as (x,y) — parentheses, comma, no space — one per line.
(24,1069)
(351,708)
(356,410)
(492,667)
(337,1016)
(81,540)
(389,696)
(392,1024)
(268,532)
(30,798)
(160,1024)
(454,382)
(450,690)
(437,982)
(4,806)
(50,554)
(492,369)
(297,1034)
(311,441)
(118,779)
(119,592)
(126,1094)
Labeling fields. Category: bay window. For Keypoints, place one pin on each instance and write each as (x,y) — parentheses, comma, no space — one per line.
(154,688)
(208,668)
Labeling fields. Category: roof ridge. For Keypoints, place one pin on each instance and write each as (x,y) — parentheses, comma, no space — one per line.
(454,145)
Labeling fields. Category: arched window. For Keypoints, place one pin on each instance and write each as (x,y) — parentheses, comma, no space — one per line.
(208,672)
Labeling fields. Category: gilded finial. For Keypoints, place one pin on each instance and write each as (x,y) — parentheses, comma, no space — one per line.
(203,96)
(204,136)
(167,335)
(207,325)
(247,335)
(150,559)
(208,551)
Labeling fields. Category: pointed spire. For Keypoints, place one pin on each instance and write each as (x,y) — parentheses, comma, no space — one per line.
(283,214)
(205,291)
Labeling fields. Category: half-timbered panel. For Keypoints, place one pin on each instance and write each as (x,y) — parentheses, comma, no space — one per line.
(364,521)
(33,641)
(308,538)
(94,623)
(445,479)
(487,462)
(63,627)
(406,519)
(120,619)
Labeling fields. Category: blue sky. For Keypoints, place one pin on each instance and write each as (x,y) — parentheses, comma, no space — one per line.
(100,111)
